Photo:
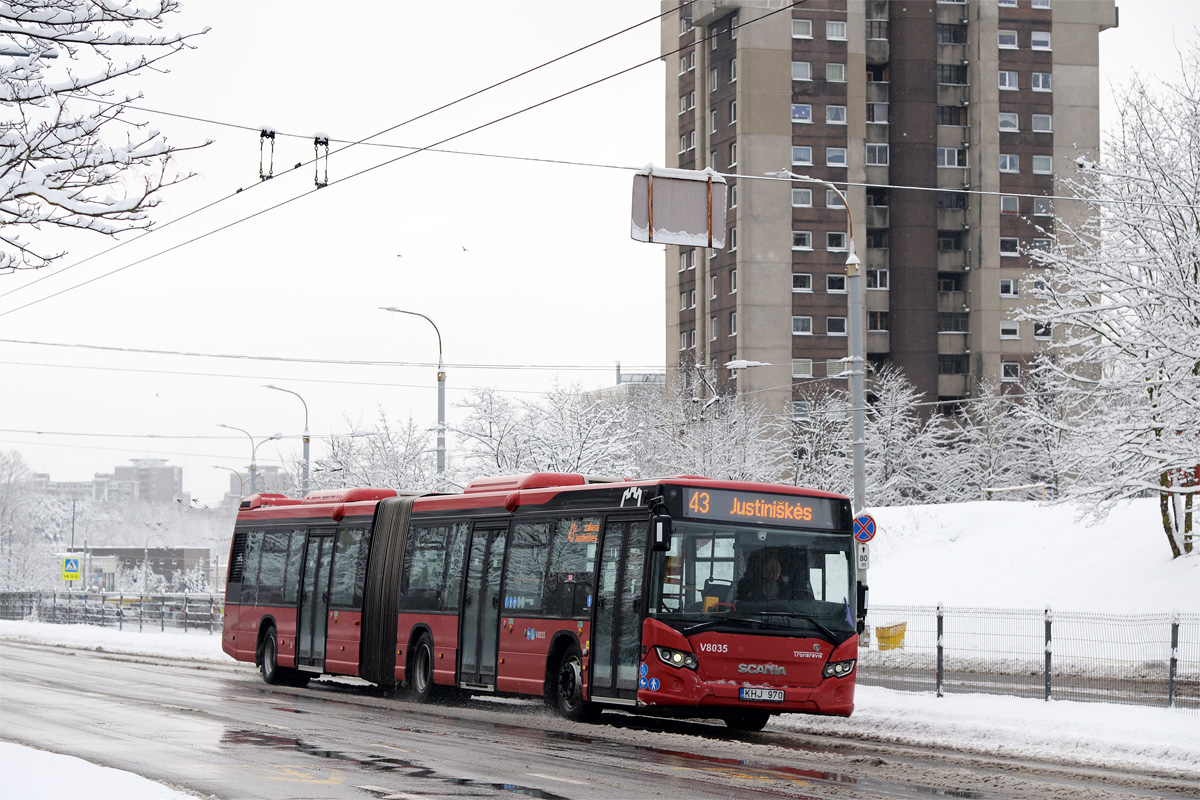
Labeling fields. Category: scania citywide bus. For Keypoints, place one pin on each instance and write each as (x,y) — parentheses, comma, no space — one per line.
(675,596)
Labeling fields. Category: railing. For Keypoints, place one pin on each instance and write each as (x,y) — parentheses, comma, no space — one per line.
(151,612)
(1141,659)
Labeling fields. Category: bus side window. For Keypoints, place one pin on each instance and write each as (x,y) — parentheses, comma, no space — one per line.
(570,580)
(528,551)
(454,566)
(272,567)
(424,568)
(346,550)
(291,581)
(250,570)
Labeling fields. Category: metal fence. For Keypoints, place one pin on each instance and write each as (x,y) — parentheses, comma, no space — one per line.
(151,612)
(1142,659)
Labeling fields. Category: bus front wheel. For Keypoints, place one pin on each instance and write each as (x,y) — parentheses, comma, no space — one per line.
(567,688)
(420,681)
(747,721)
(269,664)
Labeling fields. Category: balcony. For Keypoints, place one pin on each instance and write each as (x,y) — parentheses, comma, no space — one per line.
(952,302)
(877,217)
(706,12)
(954,385)
(952,261)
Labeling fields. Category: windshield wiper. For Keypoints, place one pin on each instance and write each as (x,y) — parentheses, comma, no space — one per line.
(829,634)
(712,623)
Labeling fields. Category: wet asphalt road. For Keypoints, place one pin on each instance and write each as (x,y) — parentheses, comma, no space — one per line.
(219,730)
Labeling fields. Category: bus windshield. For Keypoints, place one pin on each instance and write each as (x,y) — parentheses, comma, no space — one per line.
(732,578)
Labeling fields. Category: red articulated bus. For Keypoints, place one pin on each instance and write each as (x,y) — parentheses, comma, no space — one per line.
(674,596)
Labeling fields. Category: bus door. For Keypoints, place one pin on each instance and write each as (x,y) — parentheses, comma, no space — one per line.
(480,619)
(617,626)
(312,617)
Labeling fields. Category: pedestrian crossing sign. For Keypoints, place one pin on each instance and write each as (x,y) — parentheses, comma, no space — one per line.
(70,570)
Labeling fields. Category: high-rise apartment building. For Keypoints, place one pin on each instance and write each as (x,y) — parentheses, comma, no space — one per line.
(946,124)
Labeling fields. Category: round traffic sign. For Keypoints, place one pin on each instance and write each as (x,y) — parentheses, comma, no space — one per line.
(864,528)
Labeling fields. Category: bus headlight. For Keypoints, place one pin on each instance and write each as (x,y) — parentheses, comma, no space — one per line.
(838,669)
(676,658)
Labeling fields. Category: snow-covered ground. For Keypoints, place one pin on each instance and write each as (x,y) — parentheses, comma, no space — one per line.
(1000,554)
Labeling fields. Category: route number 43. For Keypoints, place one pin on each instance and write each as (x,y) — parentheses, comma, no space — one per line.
(699,503)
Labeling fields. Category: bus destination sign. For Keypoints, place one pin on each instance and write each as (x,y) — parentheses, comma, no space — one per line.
(755,507)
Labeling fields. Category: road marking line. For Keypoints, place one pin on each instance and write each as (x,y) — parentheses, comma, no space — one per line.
(553,778)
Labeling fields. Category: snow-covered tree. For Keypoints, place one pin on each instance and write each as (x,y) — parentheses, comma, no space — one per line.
(1123,289)
(395,456)
(818,441)
(71,156)
(902,444)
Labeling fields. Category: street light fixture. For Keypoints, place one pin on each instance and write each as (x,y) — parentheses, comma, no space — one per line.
(304,479)
(855,324)
(441,377)
(253,452)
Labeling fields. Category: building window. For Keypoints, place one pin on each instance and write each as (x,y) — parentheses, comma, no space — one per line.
(733,155)
(1010,162)
(683,340)
(877,29)
(952,364)
(712,79)
(683,259)
(1008,40)
(733,323)
(1010,204)
(732,111)
(949,241)
(1041,82)
(835,30)
(835,115)
(952,157)
(801,112)
(712,329)
(1009,287)
(1043,207)
(685,25)
(732,70)
(802,155)
(733,238)
(733,281)
(801,409)
(712,287)
(1043,330)
(835,284)
(712,121)
(952,322)
(801,282)
(835,326)
(1041,123)
(1009,121)
(835,240)
(952,74)
(1008,80)
(732,194)
(950,200)
(1039,3)
(801,71)
(1010,371)
(835,367)
(801,326)
(1039,40)
(1010,246)
(1043,245)
(692,298)
(877,279)
(949,281)
(682,300)
(801,367)
(683,143)
(1009,3)
(877,155)
(835,72)
(952,115)
(801,240)
(802,29)
(951,34)
(733,26)
(877,113)
(833,199)
(683,64)
(1043,165)
(877,320)
(801,198)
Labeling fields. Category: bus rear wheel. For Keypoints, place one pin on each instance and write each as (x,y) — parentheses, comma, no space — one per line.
(272,673)
(747,721)
(566,689)
(420,670)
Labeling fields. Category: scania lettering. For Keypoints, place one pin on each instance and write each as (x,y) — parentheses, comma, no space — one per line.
(674,596)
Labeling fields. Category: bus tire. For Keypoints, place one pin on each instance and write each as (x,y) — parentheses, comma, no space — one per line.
(747,721)
(299,678)
(420,670)
(566,688)
(272,673)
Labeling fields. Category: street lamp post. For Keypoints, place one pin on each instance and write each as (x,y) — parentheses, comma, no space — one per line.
(857,362)
(304,479)
(441,377)
(253,452)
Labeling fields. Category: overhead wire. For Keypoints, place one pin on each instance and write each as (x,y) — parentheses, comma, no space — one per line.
(389,162)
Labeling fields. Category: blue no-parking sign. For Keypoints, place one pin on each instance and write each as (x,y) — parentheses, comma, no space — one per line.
(864,528)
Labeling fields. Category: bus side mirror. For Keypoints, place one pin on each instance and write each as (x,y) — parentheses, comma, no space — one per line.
(862,606)
(662,532)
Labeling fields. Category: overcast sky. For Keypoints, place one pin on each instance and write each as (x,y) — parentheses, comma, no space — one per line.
(526,267)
